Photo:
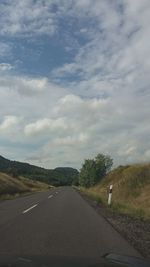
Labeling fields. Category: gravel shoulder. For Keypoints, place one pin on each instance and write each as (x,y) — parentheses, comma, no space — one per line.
(135,231)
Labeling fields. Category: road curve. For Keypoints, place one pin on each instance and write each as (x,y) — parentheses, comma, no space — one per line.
(58,222)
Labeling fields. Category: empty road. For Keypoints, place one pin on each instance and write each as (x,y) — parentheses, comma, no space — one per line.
(59,223)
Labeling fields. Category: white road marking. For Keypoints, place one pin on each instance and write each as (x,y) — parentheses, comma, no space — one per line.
(30,208)
(50,196)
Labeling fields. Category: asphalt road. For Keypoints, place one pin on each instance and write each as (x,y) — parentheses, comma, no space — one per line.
(58,222)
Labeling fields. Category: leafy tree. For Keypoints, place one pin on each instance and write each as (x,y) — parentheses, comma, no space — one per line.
(93,170)
(103,165)
(87,175)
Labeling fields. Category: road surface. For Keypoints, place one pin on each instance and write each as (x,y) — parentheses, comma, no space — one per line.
(58,222)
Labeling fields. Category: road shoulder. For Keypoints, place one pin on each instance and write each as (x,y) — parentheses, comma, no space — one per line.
(135,231)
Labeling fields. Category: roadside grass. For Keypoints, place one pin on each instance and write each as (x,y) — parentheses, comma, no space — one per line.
(94,196)
(136,213)
(131,190)
(13,187)
(120,208)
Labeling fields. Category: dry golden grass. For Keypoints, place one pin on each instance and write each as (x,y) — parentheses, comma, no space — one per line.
(131,189)
(10,186)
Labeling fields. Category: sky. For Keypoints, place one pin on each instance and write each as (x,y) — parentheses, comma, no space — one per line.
(74,81)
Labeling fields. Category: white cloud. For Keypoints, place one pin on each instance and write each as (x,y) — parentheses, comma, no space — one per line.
(26,86)
(26,17)
(119,45)
(73,106)
(5,67)
(29,97)
(9,122)
(71,140)
(30,86)
(44,125)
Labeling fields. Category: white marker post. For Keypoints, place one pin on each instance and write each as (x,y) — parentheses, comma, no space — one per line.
(110,194)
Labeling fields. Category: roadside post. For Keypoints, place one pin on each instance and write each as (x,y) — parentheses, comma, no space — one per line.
(110,194)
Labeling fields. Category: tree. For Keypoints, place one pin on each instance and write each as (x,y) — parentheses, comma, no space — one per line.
(87,175)
(103,165)
(93,170)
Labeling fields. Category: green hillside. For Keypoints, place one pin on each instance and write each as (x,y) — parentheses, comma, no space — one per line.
(58,176)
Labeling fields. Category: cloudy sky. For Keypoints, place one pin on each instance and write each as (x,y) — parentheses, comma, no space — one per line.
(74,80)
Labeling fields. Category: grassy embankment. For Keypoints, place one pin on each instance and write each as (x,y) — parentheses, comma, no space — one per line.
(12,187)
(131,190)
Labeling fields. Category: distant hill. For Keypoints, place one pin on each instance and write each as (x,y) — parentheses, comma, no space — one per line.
(58,176)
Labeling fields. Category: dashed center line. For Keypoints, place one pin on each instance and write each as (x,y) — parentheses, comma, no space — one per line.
(50,196)
(25,211)
(30,208)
